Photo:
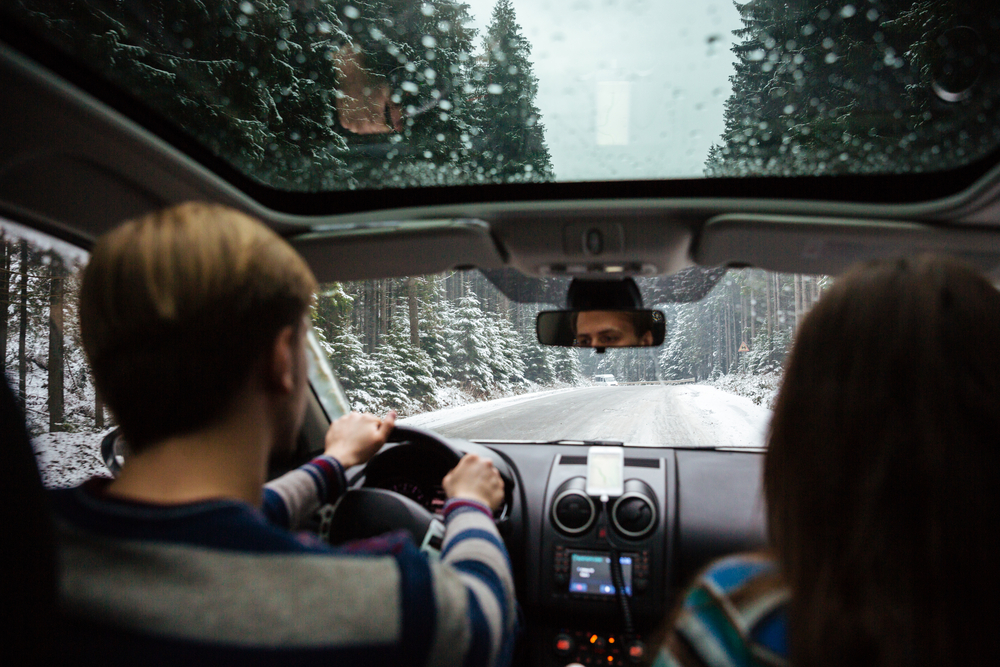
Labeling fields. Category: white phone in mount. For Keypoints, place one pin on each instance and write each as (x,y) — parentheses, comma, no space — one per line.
(605,472)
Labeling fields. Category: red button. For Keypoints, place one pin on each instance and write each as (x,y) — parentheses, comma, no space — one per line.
(635,651)
(562,645)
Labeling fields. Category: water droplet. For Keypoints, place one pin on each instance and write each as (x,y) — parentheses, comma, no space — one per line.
(494,89)
(247,7)
(872,15)
(430,74)
(756,54)
(439,137)
(427,9)
(428,154)
(409,87)
(428,41)
(351,12)
(847,11)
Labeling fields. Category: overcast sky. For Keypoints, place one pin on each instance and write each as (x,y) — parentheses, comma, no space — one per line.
(627,88)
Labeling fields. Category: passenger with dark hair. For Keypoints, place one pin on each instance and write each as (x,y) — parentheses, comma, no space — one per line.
(880,485)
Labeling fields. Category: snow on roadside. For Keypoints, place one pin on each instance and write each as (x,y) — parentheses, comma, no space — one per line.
(67,459)
(726,419)
(448,415)
(761,388)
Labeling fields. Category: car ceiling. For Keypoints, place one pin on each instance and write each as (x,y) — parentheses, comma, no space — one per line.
(75,165)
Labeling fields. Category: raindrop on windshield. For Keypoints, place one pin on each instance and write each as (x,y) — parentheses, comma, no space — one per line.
(494,89)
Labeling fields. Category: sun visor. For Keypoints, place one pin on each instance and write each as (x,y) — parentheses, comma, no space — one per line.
(828,246)
(359,251)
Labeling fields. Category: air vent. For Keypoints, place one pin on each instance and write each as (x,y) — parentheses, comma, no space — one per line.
(573,512)
(634,512)
(630,462)
(642,463)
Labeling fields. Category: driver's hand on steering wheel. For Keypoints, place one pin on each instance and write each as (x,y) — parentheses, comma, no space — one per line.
(475,478)
(355,437)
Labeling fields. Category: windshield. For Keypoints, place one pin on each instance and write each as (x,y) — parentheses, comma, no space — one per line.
(367,94)
(454,354)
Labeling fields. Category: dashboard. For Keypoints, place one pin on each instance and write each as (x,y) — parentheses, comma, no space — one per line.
(679,508)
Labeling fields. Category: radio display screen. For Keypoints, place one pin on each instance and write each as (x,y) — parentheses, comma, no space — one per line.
(590,573)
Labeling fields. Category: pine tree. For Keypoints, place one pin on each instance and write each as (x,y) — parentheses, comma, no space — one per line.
(826,87)
(470,348)
(424,49)
(504,88)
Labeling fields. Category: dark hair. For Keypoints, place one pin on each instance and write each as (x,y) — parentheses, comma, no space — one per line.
(881,475)
(177,307)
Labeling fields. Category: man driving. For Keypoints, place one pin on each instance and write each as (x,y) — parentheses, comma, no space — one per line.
(613,328)
(194,321)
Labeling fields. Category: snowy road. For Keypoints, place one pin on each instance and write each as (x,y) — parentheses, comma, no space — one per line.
(685,415)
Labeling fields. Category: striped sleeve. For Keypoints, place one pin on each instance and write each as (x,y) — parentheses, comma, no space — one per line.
(734,615)
(291,499)
(474,591)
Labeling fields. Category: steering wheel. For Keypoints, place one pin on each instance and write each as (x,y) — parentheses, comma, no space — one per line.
(367,512)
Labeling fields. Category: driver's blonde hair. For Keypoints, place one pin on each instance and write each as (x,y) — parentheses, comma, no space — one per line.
(176,308)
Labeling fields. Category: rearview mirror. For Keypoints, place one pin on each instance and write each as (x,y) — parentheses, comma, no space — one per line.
(601,328)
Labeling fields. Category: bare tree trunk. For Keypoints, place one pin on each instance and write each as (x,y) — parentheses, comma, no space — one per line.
(5,261)
(797,284)
(383,309)
(22,341)
(770,311)
(56,396)
(369,316)
(411,300)
(98,410)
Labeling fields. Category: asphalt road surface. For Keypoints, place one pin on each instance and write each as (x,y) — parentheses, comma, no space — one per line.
(680,415)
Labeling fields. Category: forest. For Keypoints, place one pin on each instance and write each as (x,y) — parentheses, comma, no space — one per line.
(801,103)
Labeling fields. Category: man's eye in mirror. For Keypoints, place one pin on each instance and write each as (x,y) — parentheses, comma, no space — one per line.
(601,328)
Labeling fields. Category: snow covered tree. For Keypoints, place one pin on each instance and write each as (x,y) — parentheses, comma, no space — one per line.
(538,366)
(825,87)
(566,365)
(470,353)
(504,89)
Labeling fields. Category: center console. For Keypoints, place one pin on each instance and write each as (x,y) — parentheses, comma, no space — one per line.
(582,536)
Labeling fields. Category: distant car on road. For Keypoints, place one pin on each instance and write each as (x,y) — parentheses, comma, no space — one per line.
(606,380)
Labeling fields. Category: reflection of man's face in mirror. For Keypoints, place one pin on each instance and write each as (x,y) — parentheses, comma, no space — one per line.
(609,328)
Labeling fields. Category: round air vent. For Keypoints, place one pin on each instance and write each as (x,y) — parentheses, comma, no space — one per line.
(634,514)
(573,511)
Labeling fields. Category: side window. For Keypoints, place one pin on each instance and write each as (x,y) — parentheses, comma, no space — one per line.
(44,362)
